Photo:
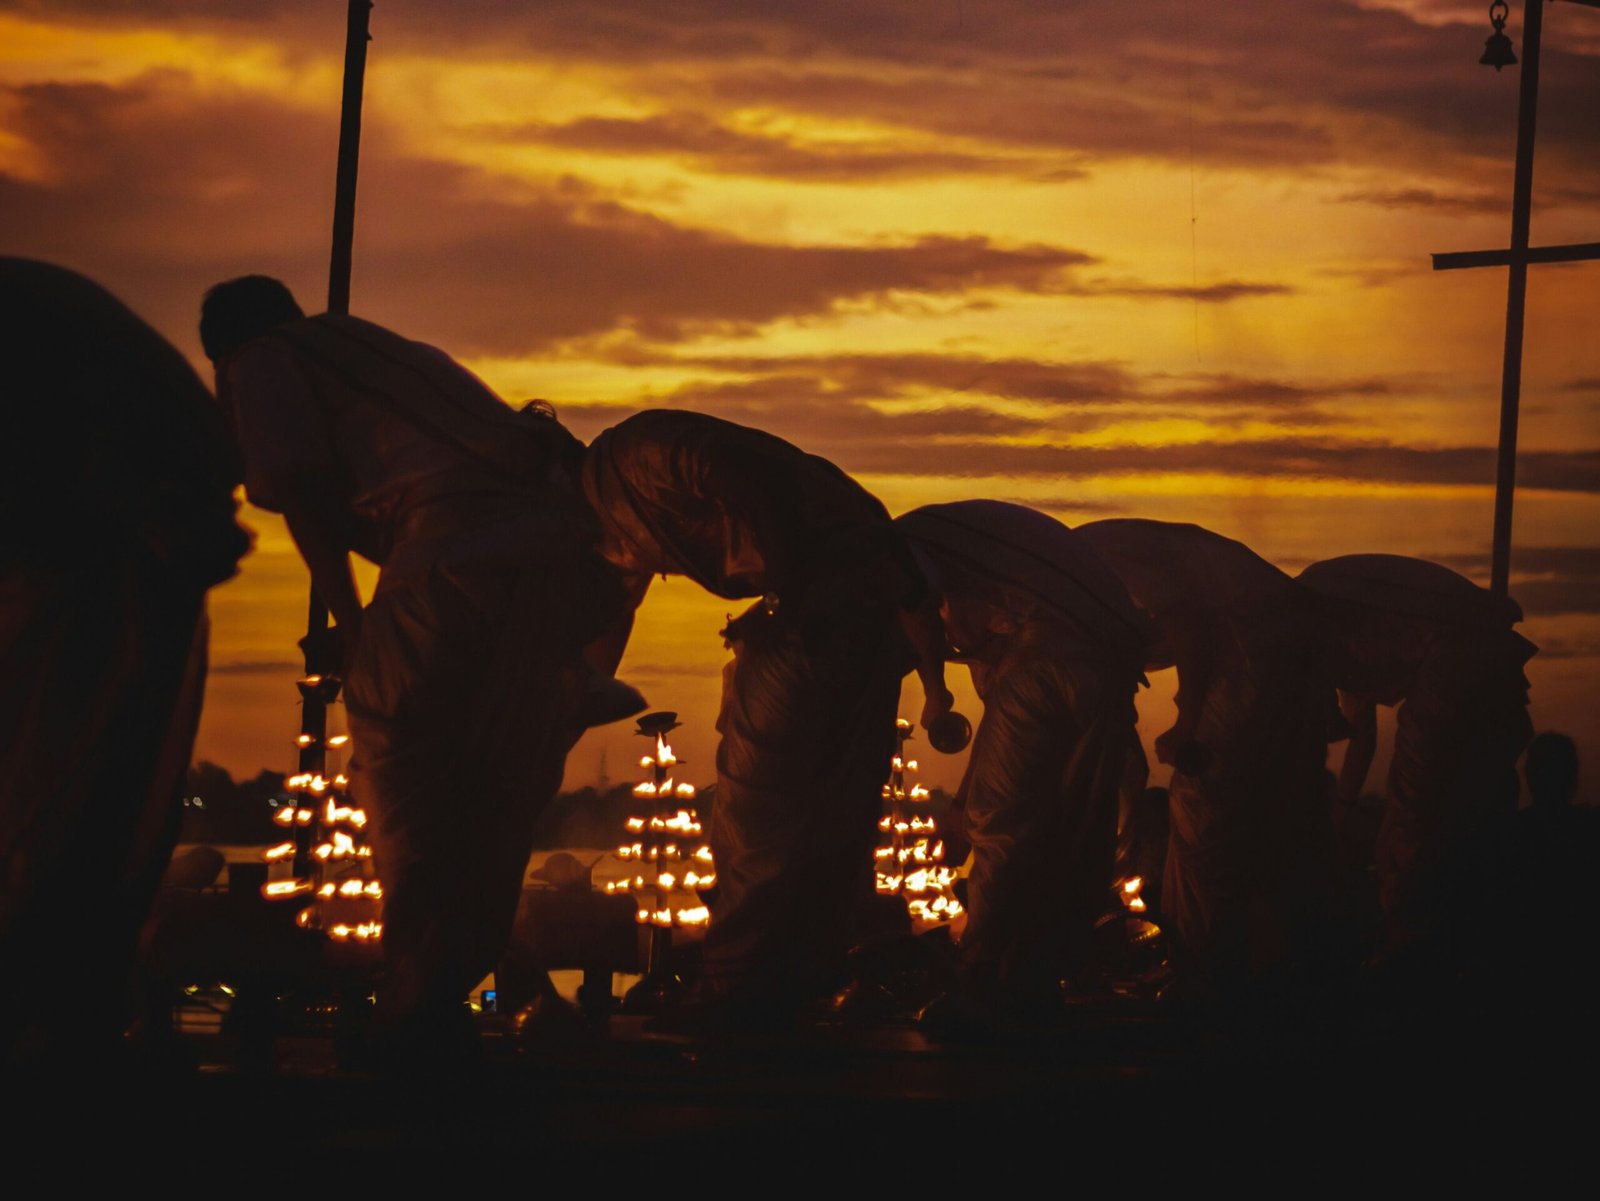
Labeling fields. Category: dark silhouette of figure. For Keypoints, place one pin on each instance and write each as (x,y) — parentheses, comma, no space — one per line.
(1542,912)
(809,698)
(1555,858)
(1056,651)
(1551,769)
(1247,877)
(1407,632)
(463,678)
(118,515)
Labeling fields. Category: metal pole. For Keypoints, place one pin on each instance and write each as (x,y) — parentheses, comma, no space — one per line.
(1516,296)
(344,200)
(314,701)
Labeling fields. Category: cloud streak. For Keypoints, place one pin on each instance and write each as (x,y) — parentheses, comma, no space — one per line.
(1250,83)
(1545,580)
(129,164)
(712,146)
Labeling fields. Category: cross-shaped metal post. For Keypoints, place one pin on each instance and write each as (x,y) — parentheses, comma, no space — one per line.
(1517,258)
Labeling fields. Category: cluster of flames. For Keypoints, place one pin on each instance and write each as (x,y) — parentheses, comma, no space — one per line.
(672,863)
(1128,890)
(325,856)
(910,863)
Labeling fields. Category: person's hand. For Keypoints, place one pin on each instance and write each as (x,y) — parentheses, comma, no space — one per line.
(331,650)
(935,705)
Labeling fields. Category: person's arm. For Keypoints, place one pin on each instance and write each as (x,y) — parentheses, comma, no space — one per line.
(290,468)
(308,503)
(1361,713)
(957,847)
(604,652)
(925,631)
(1193,645)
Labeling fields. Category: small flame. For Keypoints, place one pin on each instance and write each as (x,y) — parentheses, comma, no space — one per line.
(1130,889)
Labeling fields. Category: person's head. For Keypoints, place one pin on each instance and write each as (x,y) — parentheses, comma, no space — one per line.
(1552,769)
(239,310)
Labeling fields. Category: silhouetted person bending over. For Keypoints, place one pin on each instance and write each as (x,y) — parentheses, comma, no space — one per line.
(809,700)
(463,676)
(1247,875)
(1056,651)
(1410,633)
(116,516)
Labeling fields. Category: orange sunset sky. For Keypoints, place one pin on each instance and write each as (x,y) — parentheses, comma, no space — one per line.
(1162,259)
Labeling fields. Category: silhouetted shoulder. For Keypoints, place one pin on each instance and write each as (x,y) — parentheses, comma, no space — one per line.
(1169,565)
(1409,587)
(104,423)
(1014,547)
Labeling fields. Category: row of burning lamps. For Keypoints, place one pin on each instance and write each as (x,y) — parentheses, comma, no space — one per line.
(672,864)
(329,861)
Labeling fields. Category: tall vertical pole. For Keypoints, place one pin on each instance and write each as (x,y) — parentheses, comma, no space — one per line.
(344,200)
(1516,297)
(315,690)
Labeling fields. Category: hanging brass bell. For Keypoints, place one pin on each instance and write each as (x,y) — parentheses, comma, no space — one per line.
(1497,51)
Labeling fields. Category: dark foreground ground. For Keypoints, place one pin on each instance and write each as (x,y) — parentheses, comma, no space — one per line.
(1121,1093)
